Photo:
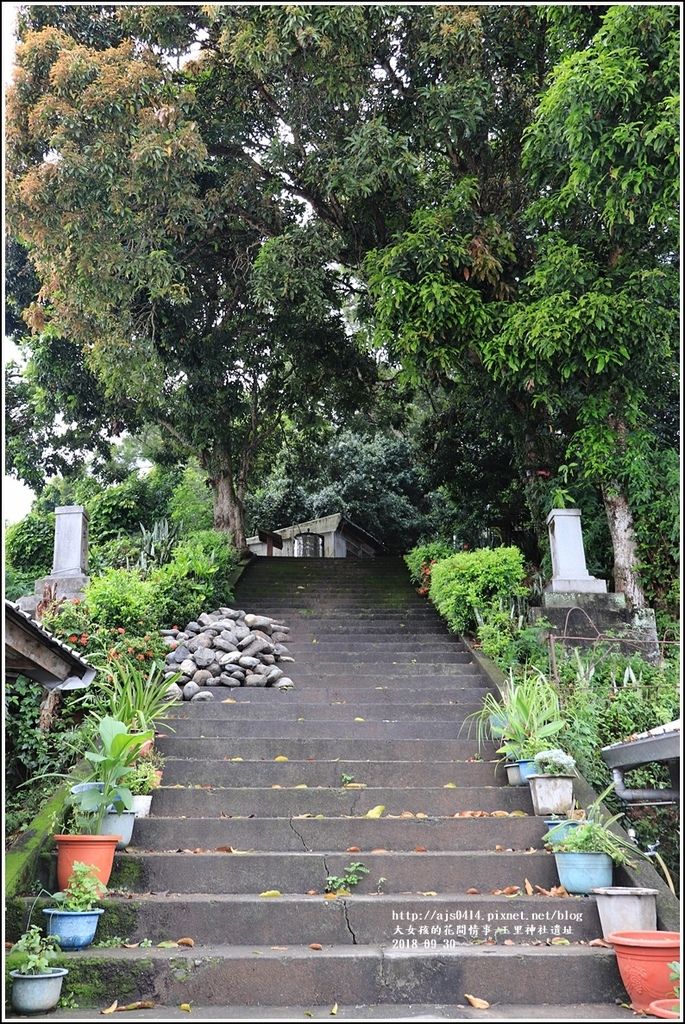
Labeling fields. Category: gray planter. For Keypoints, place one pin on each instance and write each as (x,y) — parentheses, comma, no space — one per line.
(626,909)
(36,993)
(114,824)
(551,794)
(514,774)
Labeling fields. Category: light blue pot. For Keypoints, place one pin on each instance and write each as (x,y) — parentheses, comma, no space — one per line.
(114,824)
(527,768)
(73,929)
(563,828)
(83,787)
(580,873)
(36,993)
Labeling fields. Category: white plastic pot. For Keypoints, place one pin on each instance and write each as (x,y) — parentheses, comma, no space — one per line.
(114,824)
(141,805)
(626,909)
(551,794)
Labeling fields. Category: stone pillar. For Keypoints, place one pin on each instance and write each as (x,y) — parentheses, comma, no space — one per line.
(70,557)
(69,561)
(569,571)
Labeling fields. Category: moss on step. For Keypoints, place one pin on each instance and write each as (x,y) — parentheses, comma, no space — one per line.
(128,873)
(97,982)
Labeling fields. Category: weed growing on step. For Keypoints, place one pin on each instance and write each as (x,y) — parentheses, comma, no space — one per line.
(110,943)
(346,779)
(354,872)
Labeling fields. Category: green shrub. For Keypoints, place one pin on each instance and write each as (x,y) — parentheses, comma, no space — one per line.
(17,584)
(475,579)
(120,509)
(120,597)
(196,579)
(191,501)
(29,544)
(420,559)
(119,553)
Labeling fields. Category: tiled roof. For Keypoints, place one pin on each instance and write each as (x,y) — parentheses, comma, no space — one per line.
(53,640)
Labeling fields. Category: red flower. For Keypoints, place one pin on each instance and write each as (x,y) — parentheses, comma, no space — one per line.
(73,638)
(76,600)
(129,650)
(121,630)
(84,639)
(140,657)
(150,654)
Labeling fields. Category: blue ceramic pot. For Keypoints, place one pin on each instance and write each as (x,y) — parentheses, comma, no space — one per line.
(580,873)
(73,929)
(36,993)
(563,828)
(527,768)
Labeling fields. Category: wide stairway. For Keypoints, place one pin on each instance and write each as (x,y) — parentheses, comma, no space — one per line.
(267,792)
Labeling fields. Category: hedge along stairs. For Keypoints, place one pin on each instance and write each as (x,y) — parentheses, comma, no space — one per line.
(269,792)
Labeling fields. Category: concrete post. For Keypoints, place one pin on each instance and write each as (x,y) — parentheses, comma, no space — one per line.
(70,556)
(569,570)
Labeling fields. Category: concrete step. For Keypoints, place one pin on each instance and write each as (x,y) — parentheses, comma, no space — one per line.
(381,666)
(266,748)
(298,872)
(346,974)
(375,645)
(354,920)
(369,656)
(373,772)
(382,1011)
(311,834)
(329,694)
(169,801)
(245,710)
(314,729)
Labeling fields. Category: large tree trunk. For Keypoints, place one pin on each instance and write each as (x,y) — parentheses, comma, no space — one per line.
(229,511)
(621,528)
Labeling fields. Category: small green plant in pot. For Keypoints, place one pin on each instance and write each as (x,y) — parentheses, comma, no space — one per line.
(142,780)
(100,814)
(551,784)
(586,855)
(36,985)
(75,919)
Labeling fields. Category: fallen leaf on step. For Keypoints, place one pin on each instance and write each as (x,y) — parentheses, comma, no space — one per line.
(307,1013)
(130,945)
(499,814)
(379,849)
(236,759)
(141,1004)
(499,849)
(541,891)
(186,941)
(224,849)
(558,941)
(420,849)
(495,892)
(167,944)
(528,887)
(508,942)
(360,719)
(511,890)
(185,1007)
(315,945)
(112,1008)
(229,700)
(600,942)
(271,894)
(407,814)
(450,785)
(277,787)
(353,849)
(560,890)
(478,1004)
(376,811)
(354,785)
(302,785)
(420,814)
(518,814)
(330,895)
(280,757)
(429,893)
(279,949)
(312,892)
(473,892)
(334,1010)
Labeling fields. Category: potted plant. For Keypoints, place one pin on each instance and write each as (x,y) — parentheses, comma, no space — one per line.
(95,837)
(551,785)
(645,962)
(137,699)
(142,780)
(668,1009)
(36,986)
(561,826)
(74,921)
(587,853)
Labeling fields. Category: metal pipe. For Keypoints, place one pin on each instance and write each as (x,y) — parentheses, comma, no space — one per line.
(645,796)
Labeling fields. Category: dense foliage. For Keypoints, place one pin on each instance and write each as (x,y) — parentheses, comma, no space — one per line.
(470,581)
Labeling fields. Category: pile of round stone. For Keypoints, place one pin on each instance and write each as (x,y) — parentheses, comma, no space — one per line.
(226,648)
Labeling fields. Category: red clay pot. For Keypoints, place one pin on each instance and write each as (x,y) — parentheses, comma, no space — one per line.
(666,1008)
(95,850)
(643,959)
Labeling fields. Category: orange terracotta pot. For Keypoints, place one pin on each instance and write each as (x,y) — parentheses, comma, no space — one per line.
(665,1008)
(643,959)
(95,850)
(146,749)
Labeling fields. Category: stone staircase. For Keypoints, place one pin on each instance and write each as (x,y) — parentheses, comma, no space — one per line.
(381,690)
